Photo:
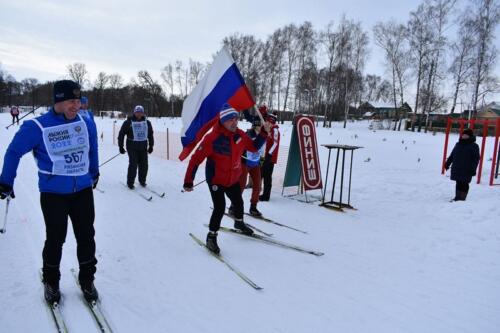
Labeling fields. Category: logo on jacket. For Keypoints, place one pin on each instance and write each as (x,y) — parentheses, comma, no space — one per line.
(78,129)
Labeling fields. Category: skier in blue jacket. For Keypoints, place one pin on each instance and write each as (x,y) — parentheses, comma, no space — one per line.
(64,145)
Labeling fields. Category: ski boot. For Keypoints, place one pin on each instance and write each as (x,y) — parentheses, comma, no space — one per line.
(241,226)
(51,292)
(254,211)
(89,291)
(130,186)
(212,242)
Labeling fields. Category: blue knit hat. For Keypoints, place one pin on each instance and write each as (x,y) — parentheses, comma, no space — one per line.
(84,100)
(139,108)
(227,112)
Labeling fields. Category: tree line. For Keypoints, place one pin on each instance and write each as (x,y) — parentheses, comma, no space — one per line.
(300,69)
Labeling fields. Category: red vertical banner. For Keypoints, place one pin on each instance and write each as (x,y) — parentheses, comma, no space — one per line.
(311,172)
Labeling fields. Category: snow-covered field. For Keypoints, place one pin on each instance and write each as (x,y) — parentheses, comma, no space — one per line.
(407,260)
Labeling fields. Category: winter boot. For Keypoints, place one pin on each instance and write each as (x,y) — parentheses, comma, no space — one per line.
(51,292)
(89,291)
(254,211)
(241,226)
(212,242)
(143,184)
(131,186)
(462,195)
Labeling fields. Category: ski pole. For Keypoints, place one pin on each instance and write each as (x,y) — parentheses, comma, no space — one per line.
(27,114)
(109,159)
(204,180)
(4,228)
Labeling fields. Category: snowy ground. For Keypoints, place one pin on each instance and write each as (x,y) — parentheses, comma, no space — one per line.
(407,260)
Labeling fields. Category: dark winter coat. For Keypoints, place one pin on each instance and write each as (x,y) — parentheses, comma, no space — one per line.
(464,159)
(126,130)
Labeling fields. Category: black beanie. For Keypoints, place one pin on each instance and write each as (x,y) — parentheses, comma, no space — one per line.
(66,89)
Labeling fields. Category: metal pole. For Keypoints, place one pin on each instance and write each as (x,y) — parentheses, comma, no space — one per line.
(4,228)
(350,176)
(326,178)
(335,174)
(342,178)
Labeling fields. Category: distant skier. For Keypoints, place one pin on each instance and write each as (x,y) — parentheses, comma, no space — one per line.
(463,160)
(223,148)
(64,145)
(271,155)
(14,112)
(140,142)
(250,165)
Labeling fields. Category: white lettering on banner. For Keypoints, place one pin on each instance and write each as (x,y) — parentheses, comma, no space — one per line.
(140,130)
(68,148)
(309,158)
(312,174)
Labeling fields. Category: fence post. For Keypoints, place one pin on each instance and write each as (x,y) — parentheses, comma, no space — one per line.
(168,145)
(495,152)
(448,128)
(485,134)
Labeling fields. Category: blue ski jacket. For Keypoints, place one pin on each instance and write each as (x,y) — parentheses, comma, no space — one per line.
(30,138)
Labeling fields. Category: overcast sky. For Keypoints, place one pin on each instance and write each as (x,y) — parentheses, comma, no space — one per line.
(39,38)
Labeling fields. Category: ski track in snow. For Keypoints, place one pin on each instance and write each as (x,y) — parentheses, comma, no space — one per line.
(406,260)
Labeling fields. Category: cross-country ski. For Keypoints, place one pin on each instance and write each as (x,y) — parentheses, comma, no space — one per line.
(229,265)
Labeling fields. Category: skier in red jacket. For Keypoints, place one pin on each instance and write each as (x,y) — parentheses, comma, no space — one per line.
(223,148)
(271,156)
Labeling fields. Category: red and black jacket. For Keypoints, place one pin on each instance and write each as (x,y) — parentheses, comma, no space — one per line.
(273,144)
(223,150)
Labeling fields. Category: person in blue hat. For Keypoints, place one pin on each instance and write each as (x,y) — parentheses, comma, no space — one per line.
(140,142)
(64,145)
(84,109)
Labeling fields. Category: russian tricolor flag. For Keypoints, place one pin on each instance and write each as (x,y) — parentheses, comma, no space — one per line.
(222,84)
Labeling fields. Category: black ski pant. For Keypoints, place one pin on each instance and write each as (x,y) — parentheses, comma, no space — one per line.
(218,193)
(137,158)
(15,118)
(56,208)
(461,190)
(267,175)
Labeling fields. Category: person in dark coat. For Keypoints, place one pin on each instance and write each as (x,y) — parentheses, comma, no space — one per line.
(463,160)
(140,142)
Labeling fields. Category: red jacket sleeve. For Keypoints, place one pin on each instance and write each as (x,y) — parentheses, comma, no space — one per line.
(203,150)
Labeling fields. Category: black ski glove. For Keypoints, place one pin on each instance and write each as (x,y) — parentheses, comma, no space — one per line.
(122,150)
(150,149)
(5,191)
(188,187)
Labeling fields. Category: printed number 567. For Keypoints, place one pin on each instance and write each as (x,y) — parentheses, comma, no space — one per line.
(75,157)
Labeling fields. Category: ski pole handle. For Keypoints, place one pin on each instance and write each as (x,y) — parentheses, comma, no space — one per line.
(109,160)
(204,180)
(4,227)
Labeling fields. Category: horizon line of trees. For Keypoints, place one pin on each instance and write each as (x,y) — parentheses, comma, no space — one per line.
(321,72)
